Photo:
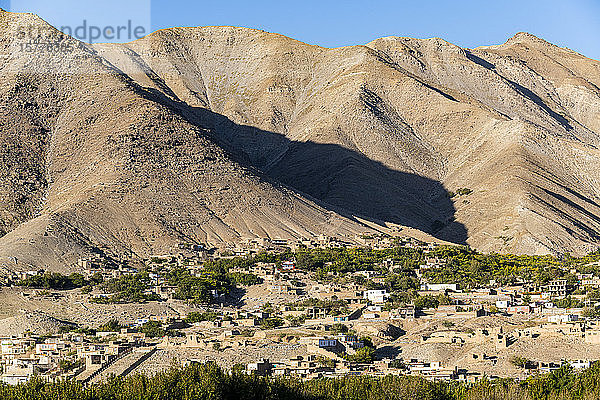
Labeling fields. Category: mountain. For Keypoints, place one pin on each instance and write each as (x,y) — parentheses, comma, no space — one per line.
(385,130)
(217,133)
(93,163)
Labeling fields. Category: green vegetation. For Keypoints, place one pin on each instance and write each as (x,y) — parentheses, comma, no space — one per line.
(207,381)
(460,192)
(520,362)
(331,307)
(401,282)
(73,328)
(111,326)
(213,282)
(326,362)
(430,301)
(328,263)
(66,365)
(568,302)
(296,320)
(152,329)
(466,267)
(337,329)
(271,323)
(590,312)
(397,364)
(203,289)
(244,279)
(196,316)
(52,280)
(364,355)
(127,289)
(471,269)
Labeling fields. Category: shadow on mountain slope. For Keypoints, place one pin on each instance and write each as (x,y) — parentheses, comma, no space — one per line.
(340,179)
(523,91)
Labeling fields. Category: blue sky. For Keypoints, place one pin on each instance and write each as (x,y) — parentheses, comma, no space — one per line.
(571,23)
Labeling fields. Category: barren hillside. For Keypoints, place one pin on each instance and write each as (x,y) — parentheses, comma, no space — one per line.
(91,161)
(385,130)
(217,133)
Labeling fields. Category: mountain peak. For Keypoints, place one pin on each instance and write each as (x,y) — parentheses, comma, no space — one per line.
(525,37)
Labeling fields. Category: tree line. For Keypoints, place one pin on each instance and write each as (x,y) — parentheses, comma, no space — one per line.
(209,382)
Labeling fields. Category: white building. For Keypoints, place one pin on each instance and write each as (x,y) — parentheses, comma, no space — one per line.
(20,370)
(562,318)
(439,287)
(376,296)
(502,304)
(580,364)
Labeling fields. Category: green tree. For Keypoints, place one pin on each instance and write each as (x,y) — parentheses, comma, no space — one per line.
(364,355)
(520,362)
(427,301)
(590,312)
(111,326)
(152,329)
(271,323)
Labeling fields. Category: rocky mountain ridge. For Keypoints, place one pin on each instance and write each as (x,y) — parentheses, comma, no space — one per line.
(218,133)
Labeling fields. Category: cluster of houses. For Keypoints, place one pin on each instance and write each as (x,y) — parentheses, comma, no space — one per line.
(329,348)
(70,355)
(312,366)
(249,246)
(74,355)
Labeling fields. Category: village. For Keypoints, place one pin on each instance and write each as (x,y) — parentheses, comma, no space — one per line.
(279,316)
